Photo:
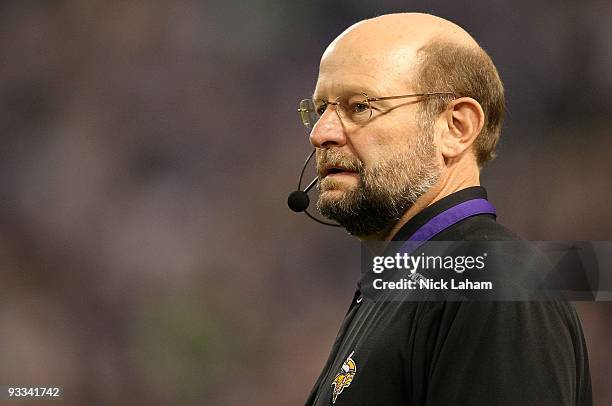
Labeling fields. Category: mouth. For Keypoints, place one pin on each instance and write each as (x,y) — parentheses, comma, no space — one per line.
(335,170)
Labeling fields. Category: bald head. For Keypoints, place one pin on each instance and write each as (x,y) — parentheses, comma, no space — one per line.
(403,31)
(393,40)
(412,53)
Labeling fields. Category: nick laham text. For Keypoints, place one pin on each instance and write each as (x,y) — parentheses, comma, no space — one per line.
(433,284)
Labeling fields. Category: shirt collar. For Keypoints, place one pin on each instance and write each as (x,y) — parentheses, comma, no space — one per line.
(474,192)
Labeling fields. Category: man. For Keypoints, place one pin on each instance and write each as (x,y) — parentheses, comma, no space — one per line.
(406,111)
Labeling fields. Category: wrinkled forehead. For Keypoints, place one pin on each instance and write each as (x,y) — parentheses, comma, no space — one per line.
(355,66)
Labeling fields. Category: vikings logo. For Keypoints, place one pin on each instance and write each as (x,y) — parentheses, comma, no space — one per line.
(344,377)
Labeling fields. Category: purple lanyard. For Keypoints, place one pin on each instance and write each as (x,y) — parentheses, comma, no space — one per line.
(446,219)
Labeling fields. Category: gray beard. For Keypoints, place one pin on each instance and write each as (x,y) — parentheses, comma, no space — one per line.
(384,192)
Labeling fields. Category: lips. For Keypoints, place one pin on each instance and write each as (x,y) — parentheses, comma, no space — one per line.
(329,170)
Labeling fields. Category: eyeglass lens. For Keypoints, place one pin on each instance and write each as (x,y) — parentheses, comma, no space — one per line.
(355,109)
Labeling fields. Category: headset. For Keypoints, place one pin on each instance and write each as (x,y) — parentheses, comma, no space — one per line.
(298,201)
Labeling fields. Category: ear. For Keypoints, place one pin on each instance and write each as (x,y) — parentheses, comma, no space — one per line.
(463,121)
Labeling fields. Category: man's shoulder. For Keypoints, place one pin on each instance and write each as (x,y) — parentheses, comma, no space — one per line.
(541,322)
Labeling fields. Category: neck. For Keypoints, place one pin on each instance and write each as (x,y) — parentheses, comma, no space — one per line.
(453,179)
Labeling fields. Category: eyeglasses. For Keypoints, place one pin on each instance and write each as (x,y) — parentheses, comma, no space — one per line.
(355,109)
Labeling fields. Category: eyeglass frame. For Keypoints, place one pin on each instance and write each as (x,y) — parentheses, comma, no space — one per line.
(369,99)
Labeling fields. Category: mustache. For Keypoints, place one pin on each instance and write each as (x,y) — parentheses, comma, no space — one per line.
(332,157)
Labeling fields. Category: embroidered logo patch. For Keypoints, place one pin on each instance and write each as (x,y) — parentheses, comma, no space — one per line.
(344,377)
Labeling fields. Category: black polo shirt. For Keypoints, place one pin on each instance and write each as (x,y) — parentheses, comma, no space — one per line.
(456,353)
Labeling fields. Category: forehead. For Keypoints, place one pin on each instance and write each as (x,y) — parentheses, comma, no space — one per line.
(350,68)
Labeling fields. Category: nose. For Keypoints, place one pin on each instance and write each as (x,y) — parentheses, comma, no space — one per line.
(328,131)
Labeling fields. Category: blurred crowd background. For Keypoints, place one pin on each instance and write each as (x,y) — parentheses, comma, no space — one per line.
(147,254)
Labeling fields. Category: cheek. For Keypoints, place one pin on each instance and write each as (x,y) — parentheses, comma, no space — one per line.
(392,143)
(374,144)
(368,153)
(377,143)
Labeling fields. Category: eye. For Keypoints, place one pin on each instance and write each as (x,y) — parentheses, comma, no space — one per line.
(359,107)
(320,108)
